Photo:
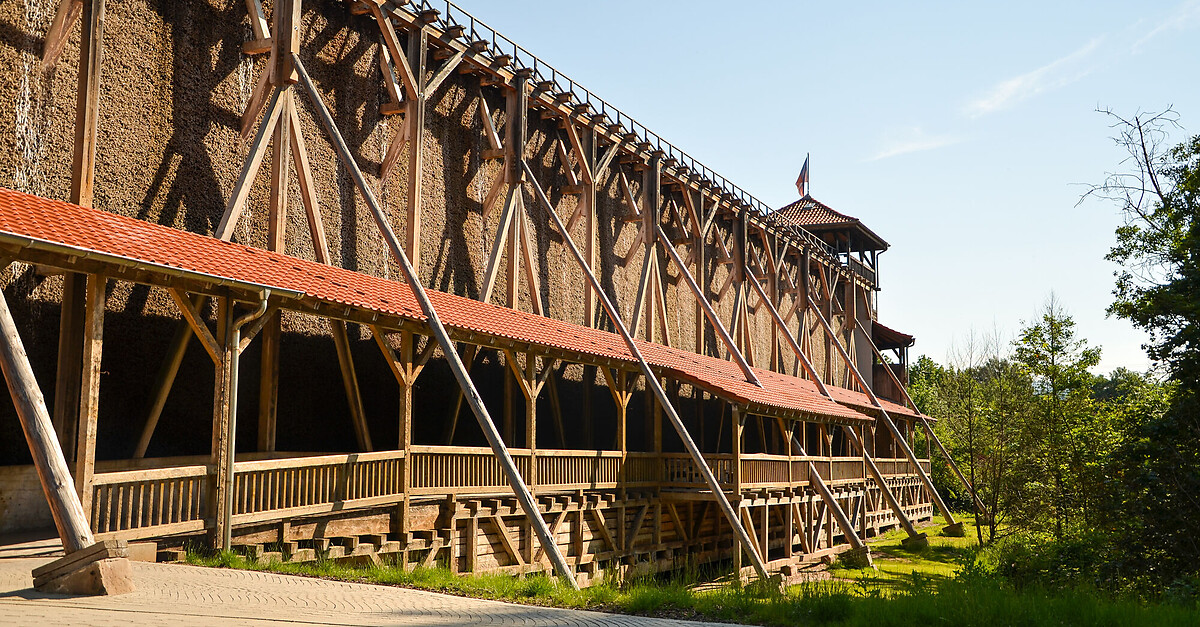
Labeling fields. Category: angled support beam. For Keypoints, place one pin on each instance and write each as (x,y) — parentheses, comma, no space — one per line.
(48,458)
(887,420)
(709,312)
(524,497)
(196,321)
(60,31)
(890,497)
(830,500)
(929,429)
(652,382)
(443,73)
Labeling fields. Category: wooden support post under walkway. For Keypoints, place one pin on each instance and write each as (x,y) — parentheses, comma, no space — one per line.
(914,538)
(88,568)
(439,333)
(952,527)
(731,515)
(929,430)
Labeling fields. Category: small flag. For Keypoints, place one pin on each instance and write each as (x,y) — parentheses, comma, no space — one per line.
(802,180)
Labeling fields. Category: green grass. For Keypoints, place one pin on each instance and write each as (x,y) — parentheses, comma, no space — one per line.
(894,564)
(908,588)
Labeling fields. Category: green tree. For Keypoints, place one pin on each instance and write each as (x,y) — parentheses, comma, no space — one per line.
(1156,470)
(1065,432)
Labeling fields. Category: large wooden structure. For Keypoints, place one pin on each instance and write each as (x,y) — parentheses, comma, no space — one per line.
(786,444)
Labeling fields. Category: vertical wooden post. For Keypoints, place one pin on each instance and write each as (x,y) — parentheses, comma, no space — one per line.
(223,425)
(83,173)
(89,400)
(591,224)
(414,117)
(48,458)
(83,163)
(268,394)
(405,426)
(70,361)
(531,417)
(701,274)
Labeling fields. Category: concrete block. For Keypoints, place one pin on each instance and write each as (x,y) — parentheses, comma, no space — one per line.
(954,531)
(856,558)
(105,577)
(143,551)
(172,555)
(303,555)
(915,543)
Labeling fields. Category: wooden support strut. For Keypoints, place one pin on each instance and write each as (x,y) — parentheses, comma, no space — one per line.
(708,308)
(48,459)
(887,420)
(929,430)
(889,496)
(524,497)
(652,381)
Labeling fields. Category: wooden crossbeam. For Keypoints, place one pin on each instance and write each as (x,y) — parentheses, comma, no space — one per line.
(585,170)
(631,536)
(507,541)
(600,526)
(442,74)
(388,29)
(485,115)
(196,322)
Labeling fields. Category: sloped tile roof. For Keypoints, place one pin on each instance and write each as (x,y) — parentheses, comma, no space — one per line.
(70,229)
(810,212)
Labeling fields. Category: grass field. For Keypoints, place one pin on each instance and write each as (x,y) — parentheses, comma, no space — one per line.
(906,588)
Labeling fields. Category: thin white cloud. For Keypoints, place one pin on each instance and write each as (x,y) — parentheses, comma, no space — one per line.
(1057,73)
(910,140)
(1185,16)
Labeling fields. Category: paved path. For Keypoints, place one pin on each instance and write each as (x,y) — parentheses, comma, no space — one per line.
(178,596)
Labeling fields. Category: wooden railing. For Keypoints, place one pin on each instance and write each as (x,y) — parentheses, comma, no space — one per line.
(268,489)
(578,470)
(174,499)
(150,502)
(441,469)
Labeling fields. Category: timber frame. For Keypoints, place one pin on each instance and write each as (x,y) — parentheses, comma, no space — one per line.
(802,495)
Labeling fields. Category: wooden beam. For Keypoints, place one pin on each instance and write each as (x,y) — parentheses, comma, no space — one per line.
(492,268)
(308,190)
(887,421)
(69,372)
(414,117)
(87,110)
(358,415)
(511,472)
(510,545)
(709,312)
(196,322)
(89,399)
(60,31)
(258,149)
(442,74)
(48,460)
(651,378)
(224,428)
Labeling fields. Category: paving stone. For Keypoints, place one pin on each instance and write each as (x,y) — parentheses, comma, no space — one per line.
(185,596)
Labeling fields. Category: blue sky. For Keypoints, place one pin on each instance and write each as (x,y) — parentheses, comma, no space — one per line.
(962,133)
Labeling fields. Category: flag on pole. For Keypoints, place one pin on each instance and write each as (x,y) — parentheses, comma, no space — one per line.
(802,180)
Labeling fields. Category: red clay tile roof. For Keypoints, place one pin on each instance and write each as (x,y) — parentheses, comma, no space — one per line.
(862,402)
(808,212)
(814,215)
(58,225)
